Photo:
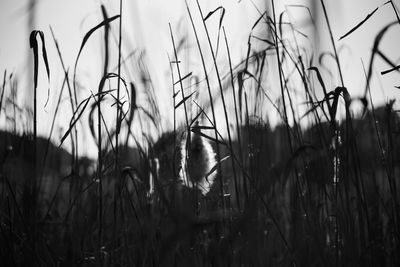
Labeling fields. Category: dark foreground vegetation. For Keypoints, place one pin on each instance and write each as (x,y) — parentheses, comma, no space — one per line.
(323,195)
(287,210)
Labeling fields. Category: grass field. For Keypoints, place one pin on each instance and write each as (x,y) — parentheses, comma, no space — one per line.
(324,192)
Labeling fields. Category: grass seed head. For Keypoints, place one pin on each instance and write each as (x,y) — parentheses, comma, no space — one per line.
(197,160)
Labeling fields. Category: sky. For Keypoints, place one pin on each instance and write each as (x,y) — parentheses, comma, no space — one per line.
(146,37)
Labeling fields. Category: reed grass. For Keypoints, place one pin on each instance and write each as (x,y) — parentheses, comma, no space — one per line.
(323,195)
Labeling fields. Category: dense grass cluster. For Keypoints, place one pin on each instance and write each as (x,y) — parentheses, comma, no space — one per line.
(323,195)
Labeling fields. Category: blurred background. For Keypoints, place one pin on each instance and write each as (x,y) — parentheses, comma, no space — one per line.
(147,50)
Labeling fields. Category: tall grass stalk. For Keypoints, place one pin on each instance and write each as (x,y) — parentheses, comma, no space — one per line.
(237,126)
(218,154)
(213,54)
(118,116)
(99,177)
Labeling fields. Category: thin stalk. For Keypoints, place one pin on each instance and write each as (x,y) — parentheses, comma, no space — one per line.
(180,79)
(74,143)
(118,119)
(236,113)
(333,42)
(52,128)
(395,11)
(212,108)
(336,157)
(99,172)
(188,138)
(99,137)
(385,161)
(33,183)
(281,79)
(222,98)
(4,89)
(276,39)
(173,104)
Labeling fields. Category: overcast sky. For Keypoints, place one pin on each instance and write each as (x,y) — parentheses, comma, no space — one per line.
(145,29)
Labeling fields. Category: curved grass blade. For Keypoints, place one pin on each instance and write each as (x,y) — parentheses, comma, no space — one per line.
(87,36)
(359,24)
(133,103)
(333,42)
(34,45)
(326,98)
(74,121)
(221,18)
(215,167)
(375,50)
(319,77)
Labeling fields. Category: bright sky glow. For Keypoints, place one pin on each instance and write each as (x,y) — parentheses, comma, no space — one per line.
(146,36)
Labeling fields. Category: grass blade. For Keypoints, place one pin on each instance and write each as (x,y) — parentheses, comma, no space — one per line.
(84,103)
(359,24)
(184,100)
(87,36)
